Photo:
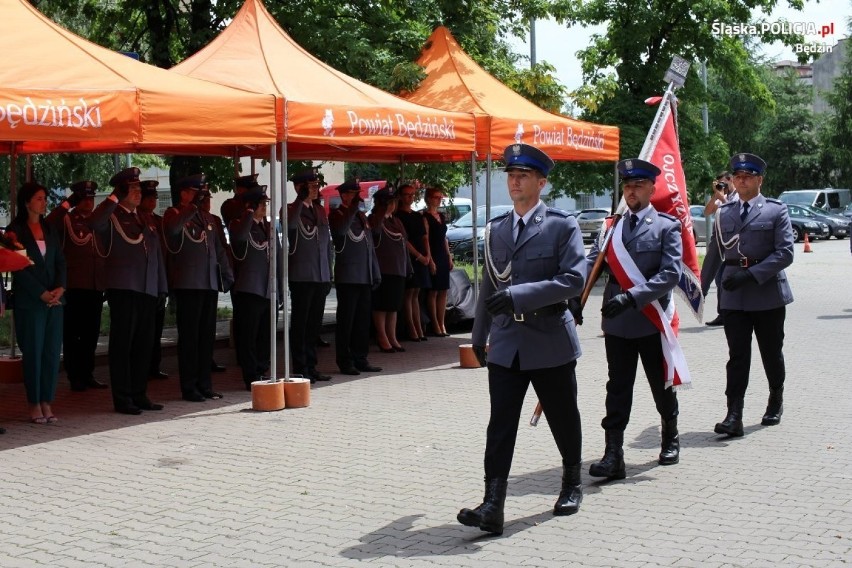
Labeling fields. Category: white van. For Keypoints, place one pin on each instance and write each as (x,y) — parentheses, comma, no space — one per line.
(828,199)
(452,207)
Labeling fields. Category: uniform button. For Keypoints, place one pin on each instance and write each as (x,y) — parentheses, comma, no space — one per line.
(515,275)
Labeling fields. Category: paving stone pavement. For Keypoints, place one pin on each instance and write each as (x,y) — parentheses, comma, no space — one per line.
(375,470)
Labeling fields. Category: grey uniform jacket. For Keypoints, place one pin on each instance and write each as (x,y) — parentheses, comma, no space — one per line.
(391,252)
(766,236)
(547,267)
(197,259)
(249,243)
(82,249)
(657,249)
(355,259)
(311,254)
(134,259)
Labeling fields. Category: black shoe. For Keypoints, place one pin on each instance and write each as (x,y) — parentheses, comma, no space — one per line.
(193,396)
(367,368)
(211,394)
(774,408)
(322,342)
(216,367)
(2,430)
(248,385)
(399,349)
(148,405)
(488,516)
(611,465)
(732,425)
(571,494)
(93,383)
(315,375)
(720,320)
(388,350)
(158,375)
(349,371)
(670,443)
(132,410)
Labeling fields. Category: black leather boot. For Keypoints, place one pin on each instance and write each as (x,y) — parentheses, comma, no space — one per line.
(611,465)
(774,408)
(670,445)
(488,516)
(571,494)
(732,425)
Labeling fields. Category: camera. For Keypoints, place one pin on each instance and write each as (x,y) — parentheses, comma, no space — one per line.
(721,186)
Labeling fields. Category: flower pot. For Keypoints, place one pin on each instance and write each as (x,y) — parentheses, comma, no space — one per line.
(11,370)
(297,392)
(467,359)
(267,396)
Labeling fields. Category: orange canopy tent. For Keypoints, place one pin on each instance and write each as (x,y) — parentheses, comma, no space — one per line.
(327,114)
(454,81)
(62,93)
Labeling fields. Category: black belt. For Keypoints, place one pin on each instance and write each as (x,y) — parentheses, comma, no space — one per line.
(551,310)
(743,262)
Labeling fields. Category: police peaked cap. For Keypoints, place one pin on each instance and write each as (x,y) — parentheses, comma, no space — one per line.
(304,176)
(196,182)
(125,176)
(634,168)
(525,157)
(149,187)
(86,188)
(385,194)
(749,163)
(246,181)
(255,194)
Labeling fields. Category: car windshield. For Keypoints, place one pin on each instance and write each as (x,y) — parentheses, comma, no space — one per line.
(467,219)
(592,214)
(800,211)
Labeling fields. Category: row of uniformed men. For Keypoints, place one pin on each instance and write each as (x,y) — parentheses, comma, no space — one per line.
(123,248)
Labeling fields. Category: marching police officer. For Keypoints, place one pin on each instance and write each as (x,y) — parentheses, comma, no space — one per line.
(311,255)
(251,293)
(85,294)
(199,267)
(753,240)
(148,210)
(356,273)
(534,264)
(135,279)
(644,262)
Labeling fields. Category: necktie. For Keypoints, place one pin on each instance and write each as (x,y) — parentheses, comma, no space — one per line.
(633,220)
(744,213)
(520,230)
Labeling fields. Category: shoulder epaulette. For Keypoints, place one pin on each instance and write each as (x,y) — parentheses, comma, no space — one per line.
(668,216)
(727,203)
(500,216)
(557,211)
(774,200)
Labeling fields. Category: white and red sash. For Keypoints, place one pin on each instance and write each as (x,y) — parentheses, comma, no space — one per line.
(628,275)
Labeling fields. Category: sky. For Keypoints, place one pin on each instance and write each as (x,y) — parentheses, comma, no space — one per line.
(558,45)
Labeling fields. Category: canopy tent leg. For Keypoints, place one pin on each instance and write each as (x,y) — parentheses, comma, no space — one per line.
(273,329)
(285,265)
(473,228)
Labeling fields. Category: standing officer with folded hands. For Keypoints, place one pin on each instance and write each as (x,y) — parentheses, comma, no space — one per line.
(534,264)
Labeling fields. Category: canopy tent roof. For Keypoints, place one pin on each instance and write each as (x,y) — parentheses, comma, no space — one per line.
(62,93)
(327,114)
(455,81)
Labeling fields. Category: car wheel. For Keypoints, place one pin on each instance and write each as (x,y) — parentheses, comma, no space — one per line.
(797,234)
(839,237)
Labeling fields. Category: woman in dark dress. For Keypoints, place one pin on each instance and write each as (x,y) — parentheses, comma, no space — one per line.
(440,261)
(418,249)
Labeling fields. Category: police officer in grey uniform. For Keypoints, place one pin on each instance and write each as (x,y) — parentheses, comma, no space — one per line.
(356,273)
(309,272)
(233,208)
(199,267)
(653,241)
(534,264)
(753,241)
(135,279)
(147,210)
(85,294)
(251,293)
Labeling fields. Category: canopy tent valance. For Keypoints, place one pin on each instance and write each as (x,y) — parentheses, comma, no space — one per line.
(327,114)
(456,82)
(62,93)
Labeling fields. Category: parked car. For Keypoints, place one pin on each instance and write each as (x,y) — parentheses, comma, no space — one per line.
(829,200)
(699,223)
(847,212)
(591,223)
(453,207)
(807,224)
(461,230)
(838,225)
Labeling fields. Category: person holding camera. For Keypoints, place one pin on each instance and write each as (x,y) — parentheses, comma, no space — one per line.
(356,274)
(198,260)
(135,280)
(723,192)
(309,272)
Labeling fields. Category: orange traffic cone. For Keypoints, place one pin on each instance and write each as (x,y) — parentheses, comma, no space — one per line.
(807,244)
